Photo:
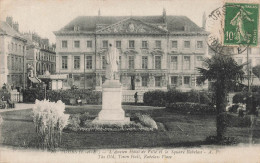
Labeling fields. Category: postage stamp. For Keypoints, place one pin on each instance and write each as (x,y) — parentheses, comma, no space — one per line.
(241,24)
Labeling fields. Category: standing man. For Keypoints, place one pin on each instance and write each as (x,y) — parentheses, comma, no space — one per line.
(136,98)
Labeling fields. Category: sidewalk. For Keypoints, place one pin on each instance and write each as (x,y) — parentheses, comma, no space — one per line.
(18,106)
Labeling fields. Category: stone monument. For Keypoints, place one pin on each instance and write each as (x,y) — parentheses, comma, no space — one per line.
(112,112)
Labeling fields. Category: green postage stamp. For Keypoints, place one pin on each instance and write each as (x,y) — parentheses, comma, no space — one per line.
(241,24)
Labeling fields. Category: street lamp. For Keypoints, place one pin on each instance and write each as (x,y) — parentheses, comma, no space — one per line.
(44,86)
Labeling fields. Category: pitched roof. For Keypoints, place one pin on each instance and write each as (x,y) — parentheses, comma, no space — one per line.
(89,23)
(8,30)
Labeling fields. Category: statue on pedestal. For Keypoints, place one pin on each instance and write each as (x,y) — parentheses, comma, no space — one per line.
(112,60)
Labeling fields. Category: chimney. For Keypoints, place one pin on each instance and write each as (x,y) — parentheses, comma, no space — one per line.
(16,26)
(9,20)
(204,21)
(164,15)
(99,14)
(186,28)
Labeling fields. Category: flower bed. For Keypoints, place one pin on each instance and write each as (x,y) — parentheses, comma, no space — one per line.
(83,123)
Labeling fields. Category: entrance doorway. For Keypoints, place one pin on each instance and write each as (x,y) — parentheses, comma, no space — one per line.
(132,82)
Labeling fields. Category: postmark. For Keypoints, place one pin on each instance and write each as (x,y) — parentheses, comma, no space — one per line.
(216,23)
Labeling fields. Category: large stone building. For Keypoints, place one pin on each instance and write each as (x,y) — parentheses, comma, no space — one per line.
(12,50)
(156,52)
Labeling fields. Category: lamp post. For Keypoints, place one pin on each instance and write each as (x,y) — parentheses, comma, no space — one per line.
(44,86)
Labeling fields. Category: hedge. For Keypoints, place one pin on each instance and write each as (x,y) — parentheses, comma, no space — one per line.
(92,97)
(243,96)
(190,108)
(161,98)
(154,98)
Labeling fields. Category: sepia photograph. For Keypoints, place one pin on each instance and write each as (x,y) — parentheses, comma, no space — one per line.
(125,81)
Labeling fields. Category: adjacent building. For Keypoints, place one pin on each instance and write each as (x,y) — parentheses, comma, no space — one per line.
(13,53)
(40,54)
(156,52)
(240,56)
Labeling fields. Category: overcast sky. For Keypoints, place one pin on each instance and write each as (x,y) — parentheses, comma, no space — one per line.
(46,16)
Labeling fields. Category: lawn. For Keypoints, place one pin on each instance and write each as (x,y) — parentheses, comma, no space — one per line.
(175,130)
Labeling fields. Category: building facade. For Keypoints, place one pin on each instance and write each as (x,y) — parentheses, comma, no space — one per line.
(156,52)
(240,56)
(40,54)
(12,50)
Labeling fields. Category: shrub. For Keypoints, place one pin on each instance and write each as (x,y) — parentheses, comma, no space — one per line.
(74,121)
(4,94)
(154,98)
(161,98)
(191,108)
(147,121)
(49,120)
(92,97)
(236,121)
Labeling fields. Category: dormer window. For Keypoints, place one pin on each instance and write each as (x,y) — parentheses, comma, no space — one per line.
(76,28)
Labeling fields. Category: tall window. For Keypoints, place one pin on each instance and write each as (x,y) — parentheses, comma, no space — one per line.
(174,62)
(144,62)
(118,44)
(157,81)
(199,44)
(76,44)
(186,44)
(16,47)
(89,44)
(186,62)
(158,44)
(105,43)
(174,44)
(131,62)
(144,81)
(174,80)
(20,64)
(199,60)
(12,61)
(132,44)
(88,62)
(144,44)
(257,61)
(186,80)
(76,62)
(64,43)
(103,62)
(9,63)
(16,63)
(103,79)
(12,46)
(119,64)
(64,62)
(158,63)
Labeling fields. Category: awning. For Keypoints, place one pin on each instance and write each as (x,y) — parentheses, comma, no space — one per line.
(35,80)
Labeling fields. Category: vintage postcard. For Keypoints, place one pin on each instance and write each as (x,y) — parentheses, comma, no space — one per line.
(129,81)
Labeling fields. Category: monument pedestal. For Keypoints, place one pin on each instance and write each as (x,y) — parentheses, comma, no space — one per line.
(112,112)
